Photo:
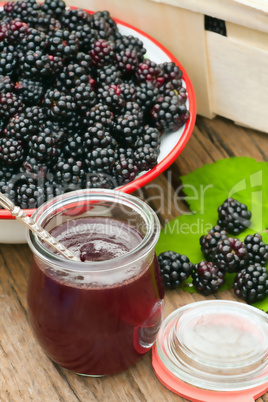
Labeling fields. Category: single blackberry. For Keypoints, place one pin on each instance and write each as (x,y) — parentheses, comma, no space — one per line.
(35,114)
(175,268)
(150,137)
(168,114)
(8,63)
(72,75)
(63,44)
(73,18)
(6,84)
(103,23)
(101,160)
(34,168)
(7,188)
(34,40)
(215,25)
(26,11)
(54,8)
(35,64)
(100,180)
(83,60)
(257,249)
(233,216)
(29,194)
(127,129)
(83,95)
(210,241)
(126,91)
(125,169)
(251,284)
(108,75)
(109,96)
(30,91)
(127,62)
(146,157)
(59,106)
(47,24)
(134,109)
(146,95)
(172,74)
(74,146)
(43,146)
(207,278)
(100,113)
(97,136)
(17,30)
(11,151)
(10,104)
(231,255)
(102,53)
(131,43)
(70,171)
(20,128)
(149,71)
(87,37)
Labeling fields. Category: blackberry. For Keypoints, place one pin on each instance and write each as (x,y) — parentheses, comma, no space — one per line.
(102,53)
(6,84)
(83,60)
(99,180)
(207,278)
(87,37)
(127,62)
(108,75)
(126,91)
(146,157)
(43,146)
(257,249)
(110,97)
(31,92)
(74,146)
(150,137)
(34,40)
(20,128)
(231,255)
(175,268)
(34,168)
(72,75)
(70,171)
(54,8)
(35,114)
(29,194)
(215,25)
(101,160)
(7,188)
(149,71)
(168,114)
(10,104)
(146,94)
(27,11)
(134,109)
(103,23)
(127,129)
(35,64)
(251,284)
(8,63)
(11,151)
(100,113)
(17,30)
(73,18)
(84,97)
(132,43)
(172,74)
(234,217)
(58,105)
(97,136)
(210,241)
(125,169)
(63,44)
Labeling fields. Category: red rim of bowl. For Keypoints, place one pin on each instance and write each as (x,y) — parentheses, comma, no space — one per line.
(174,153)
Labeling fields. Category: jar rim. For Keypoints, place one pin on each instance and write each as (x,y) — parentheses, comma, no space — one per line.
(85,195)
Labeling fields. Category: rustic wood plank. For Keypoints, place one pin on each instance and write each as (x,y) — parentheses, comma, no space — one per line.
(26,374)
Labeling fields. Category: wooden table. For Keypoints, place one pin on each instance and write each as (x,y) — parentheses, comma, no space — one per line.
(26,374)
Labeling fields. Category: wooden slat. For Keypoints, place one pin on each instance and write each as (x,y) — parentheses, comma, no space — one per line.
(26,374)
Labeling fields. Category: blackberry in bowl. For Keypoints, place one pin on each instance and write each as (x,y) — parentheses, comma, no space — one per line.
(62,87)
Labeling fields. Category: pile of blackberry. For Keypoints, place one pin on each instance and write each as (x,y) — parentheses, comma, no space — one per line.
(224,254)
(80,104)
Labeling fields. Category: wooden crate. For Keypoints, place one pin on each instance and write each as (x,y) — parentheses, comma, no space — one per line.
(229,74)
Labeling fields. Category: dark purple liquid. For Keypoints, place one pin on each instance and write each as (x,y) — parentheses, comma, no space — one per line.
(88,328)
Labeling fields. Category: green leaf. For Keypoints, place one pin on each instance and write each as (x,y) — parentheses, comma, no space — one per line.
(205,189)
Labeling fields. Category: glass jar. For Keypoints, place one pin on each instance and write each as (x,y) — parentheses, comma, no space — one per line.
(96,317)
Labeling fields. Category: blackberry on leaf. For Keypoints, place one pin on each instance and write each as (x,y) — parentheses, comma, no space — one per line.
(234,216)
(231,255)
(257,249)
(175,268)
(210,241)
(207,278)
(251,284)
